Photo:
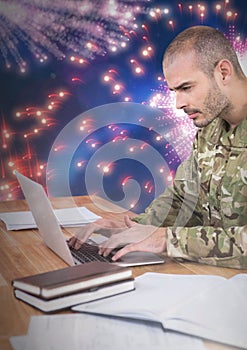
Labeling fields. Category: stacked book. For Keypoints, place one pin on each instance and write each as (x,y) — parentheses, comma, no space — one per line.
(64,288)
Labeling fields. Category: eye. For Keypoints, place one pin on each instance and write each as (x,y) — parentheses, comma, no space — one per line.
(186,88)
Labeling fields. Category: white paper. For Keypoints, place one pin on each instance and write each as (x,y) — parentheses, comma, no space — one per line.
(154,294)
(67,217)
(84,332)
(210,307)
(18,342)
(218,315)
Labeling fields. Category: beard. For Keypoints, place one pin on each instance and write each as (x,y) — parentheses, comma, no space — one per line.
(215,105)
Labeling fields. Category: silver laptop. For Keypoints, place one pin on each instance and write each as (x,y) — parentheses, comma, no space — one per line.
(53,237)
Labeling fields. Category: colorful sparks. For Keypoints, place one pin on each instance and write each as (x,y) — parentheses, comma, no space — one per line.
(81,29)
(113,45)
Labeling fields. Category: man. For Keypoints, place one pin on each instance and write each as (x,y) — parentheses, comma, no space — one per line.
(203,216)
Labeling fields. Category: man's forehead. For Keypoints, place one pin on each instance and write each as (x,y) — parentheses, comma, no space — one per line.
(182,71)
(185,58)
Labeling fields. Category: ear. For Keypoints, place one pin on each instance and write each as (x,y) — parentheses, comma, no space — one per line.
(224,71)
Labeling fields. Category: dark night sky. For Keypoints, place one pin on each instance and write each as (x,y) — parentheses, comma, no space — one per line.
(31,89)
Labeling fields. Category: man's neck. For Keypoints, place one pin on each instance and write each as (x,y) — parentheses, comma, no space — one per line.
(239,104)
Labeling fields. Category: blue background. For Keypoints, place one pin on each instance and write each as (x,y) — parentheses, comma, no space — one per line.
(27,140)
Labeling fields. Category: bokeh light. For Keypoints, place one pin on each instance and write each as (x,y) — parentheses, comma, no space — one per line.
(60,59)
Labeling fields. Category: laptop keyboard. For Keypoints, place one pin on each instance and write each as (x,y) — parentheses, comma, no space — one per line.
(88,253)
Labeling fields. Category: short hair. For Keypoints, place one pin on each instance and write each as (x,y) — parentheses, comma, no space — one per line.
(209,45)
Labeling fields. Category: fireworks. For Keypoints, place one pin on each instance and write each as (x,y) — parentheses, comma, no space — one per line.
(75,33)
(84,29)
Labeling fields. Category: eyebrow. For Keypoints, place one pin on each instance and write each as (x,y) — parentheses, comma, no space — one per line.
(181,86)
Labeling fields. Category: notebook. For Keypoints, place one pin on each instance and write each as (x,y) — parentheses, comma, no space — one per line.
(53,237)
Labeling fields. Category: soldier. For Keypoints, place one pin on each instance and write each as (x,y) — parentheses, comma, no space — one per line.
(203,216)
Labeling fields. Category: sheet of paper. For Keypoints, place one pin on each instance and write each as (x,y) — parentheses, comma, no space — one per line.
(154,294)
(19,342)
(18,220)
(77,331)
(76,215)
(210,307)
(68,217)
(218,315)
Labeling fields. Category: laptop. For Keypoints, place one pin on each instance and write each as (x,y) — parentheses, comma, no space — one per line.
(53,237)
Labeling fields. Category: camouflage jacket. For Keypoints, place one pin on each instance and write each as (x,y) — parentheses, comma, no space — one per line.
(205,211)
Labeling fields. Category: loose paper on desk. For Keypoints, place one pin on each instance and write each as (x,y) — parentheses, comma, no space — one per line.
(210,307)
(67,217)
(90,332)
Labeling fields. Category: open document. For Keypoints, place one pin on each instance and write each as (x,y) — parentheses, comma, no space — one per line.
(208,307)
(89,332)
(67,217)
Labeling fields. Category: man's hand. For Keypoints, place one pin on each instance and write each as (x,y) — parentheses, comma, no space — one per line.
(137,238)
(103,226)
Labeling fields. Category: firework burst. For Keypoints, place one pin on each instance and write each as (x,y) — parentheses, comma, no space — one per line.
(84,28)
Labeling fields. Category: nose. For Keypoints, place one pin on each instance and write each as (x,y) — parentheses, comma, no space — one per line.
(180,100)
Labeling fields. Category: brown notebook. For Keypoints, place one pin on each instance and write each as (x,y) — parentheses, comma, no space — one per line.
(67,301)
(72,279)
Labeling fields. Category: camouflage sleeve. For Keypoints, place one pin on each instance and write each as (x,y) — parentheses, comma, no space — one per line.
(209,245)
(205,214)
(177,205)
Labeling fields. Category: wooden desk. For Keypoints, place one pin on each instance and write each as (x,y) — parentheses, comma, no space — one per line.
(23,253)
